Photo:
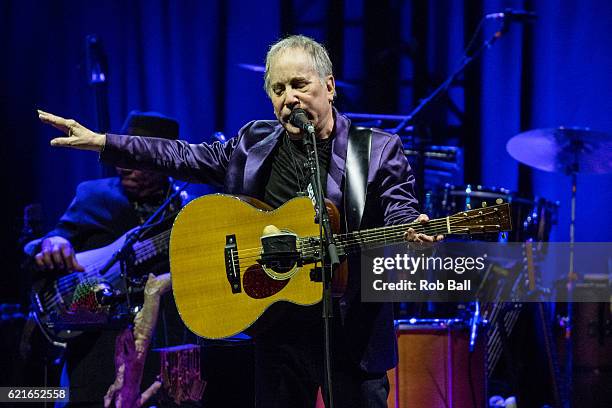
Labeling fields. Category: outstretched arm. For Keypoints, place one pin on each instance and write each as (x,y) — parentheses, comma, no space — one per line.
(202,163)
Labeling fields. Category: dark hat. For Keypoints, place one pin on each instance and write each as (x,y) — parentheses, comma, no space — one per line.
(152,124)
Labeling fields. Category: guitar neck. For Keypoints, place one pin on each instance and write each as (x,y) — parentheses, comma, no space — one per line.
(151,247)
(490,219)
(95,260)
(388,235)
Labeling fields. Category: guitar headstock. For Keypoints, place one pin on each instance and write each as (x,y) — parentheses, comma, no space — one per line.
(495,218)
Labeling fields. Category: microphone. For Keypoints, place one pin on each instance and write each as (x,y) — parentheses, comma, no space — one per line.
(299,119)
(519,16)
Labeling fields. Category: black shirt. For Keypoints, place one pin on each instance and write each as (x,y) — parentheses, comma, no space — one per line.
(290,175)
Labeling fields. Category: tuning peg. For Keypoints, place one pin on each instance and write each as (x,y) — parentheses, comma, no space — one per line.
(499,201)
(484,204)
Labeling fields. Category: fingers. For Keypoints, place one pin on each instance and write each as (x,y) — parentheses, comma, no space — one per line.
(57,257)
(429,238)
(69,257)
(425,238)
(57,253)
(412,236)
(76,266)
(78,136)
(43,260)
(422,218)
(57,122)
(63,125)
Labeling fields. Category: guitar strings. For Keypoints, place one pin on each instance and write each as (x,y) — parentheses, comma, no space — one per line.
(142,249)
(359,241)
(390,233)
(418,226)
(434,227)
(395,236)
(375,232)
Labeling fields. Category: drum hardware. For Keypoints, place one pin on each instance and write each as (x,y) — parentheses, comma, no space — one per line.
(567,150)
(532,218)
(443,153)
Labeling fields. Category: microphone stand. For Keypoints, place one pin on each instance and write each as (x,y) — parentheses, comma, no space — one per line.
(443,87)
(328,254)
(467,60)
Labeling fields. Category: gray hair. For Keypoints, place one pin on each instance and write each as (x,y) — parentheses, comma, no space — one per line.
(317,53)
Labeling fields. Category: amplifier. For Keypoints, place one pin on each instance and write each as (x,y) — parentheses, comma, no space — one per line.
(436,368)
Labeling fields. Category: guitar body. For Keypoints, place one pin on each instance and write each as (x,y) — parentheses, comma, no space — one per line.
(200,284)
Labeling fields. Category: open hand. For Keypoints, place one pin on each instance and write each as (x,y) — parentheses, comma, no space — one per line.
(78,136)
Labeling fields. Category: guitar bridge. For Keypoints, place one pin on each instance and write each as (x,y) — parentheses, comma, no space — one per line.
(232,263)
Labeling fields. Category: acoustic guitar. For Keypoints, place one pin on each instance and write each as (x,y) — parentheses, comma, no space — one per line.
(220,281)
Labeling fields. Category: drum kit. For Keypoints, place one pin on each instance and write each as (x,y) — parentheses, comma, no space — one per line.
(567,150)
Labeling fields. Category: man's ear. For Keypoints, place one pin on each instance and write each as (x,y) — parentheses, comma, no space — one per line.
(330,84)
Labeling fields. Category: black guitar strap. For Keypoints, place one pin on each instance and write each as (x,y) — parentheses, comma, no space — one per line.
(356,175)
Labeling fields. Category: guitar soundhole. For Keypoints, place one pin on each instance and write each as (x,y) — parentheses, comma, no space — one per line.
(258,285)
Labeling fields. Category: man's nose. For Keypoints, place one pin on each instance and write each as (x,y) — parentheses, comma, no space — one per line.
(292,99)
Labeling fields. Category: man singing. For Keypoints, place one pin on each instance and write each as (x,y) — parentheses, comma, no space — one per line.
(266,161)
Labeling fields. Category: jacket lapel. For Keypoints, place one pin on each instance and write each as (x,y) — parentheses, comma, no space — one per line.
(337,164)
(256,163)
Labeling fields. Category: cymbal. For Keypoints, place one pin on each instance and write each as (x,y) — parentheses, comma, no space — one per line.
(262,69)
(563,149)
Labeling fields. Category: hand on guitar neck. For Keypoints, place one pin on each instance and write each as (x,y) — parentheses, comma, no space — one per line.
(412,236)
(57,254)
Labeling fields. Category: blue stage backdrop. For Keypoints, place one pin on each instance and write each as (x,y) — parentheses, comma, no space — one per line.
(183,58)
(565,82)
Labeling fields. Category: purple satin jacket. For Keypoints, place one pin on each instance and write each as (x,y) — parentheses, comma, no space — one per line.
(242,166)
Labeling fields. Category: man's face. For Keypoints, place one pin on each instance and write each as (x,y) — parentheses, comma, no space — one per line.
(141,184)
(294,83)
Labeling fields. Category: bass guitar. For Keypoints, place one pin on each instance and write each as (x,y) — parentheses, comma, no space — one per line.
(67,305)
(222,281)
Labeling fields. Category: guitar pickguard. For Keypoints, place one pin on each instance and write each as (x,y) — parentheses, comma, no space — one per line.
(258,285)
